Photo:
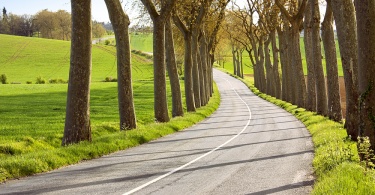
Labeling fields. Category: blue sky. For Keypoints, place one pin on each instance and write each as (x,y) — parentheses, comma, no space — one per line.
(31,7)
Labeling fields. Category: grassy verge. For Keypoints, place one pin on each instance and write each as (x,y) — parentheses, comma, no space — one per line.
(336,162)
(52,156)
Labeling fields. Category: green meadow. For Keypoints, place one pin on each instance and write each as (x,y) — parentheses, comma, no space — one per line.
(32,115)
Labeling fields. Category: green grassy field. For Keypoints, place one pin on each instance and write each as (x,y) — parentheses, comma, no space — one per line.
(32,115)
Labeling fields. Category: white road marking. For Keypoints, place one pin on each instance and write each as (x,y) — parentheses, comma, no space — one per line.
(200,157)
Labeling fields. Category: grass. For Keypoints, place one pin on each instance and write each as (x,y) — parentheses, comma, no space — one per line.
(33,116)
(336,161)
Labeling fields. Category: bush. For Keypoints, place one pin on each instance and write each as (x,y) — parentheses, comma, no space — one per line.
(40,80)
(57,81)
(107,42)
(110,79)
(3,79)
(29,82)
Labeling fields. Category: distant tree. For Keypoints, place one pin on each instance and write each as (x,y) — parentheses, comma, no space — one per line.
(46,22)
(5,23)
(98,30)
(77,120)
(365,12)
(63,24)
(120,22)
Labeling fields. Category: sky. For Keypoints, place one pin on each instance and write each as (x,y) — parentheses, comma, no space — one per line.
(31,7)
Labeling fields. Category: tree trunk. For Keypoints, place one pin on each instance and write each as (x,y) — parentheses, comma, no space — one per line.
(120,22)
(344,15)
(196,79)
(234,60)
(77,120)
(188,75)
(269,76)
(275,66)
(365,11)
(298,75)
(333,92)
(321,92)
(260,66)
(311,91)
(160,90)
(283,61)
(177,109)
(203,52)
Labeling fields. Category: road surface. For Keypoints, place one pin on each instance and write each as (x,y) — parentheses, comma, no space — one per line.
(248,146)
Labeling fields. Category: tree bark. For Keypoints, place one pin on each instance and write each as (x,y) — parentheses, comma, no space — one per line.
(188,70)
(333,92)
(284,63)
(77,120)
(196,79)
(344,15)
(275,66)
(177,109)
(160,90)
(204,60)
(269,73)
(321,92)
(120,22)
(365,12)
(311,91)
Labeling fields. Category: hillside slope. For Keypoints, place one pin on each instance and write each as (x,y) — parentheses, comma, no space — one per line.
(25,58)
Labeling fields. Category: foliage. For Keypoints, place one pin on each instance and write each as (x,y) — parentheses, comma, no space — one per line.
(57,81)
(110,79)
(40,80)
(366,154)
(3,79)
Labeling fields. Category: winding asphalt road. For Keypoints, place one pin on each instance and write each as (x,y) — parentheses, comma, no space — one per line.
(248,146)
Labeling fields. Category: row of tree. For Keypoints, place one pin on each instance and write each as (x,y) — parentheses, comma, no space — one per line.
(262,20)
(45,24)
(198,22)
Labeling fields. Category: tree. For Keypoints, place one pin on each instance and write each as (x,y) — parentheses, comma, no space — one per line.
(295,17)
(98,29)
(77,120)
(177,109)
(344,15)
(333,92)
(307,37)
(321,92)
(160,91)
(63,23)
(120,22)
(365,12)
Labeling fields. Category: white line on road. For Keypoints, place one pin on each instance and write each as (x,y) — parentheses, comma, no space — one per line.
(200,157)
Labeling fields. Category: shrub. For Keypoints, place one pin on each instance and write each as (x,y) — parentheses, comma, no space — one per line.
(3,79)
(40,80)
(57,81)
(107,42)
(110,79)
(29,82)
